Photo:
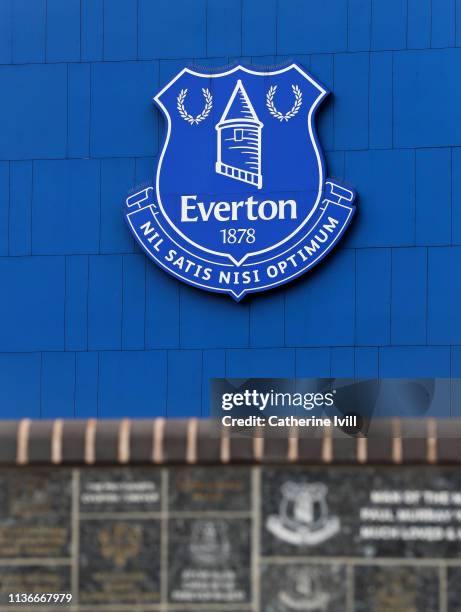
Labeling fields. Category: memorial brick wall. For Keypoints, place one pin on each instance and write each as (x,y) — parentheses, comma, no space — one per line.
(181,518)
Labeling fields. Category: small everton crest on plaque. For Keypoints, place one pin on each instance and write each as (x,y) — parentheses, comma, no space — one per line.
(304,517)
(241,202)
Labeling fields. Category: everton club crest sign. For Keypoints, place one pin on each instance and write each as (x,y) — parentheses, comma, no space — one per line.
(240,202)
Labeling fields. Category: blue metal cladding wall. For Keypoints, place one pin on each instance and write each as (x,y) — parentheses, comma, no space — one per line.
(89,327)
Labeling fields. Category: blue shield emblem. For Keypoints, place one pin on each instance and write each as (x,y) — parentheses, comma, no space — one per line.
(240,201)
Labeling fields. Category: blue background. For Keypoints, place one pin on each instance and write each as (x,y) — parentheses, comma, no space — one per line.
(89,326)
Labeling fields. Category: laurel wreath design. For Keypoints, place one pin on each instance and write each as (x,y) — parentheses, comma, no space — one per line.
(201,116)
(294,109)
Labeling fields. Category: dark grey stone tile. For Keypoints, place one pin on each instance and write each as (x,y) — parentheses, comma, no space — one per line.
(366,512)
(120,490)
(35,507)
(303,586)
(308,511)
(209,488)
(209,561)
(397,589)
(34,579)
(454,589)
(119,561)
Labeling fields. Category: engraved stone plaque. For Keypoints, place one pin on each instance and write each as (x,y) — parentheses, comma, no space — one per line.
(209,561)
(396,589)
(35,513)
(361,512)
(210,488)
(34,579)
(120,490)
(303,586)
(119,561)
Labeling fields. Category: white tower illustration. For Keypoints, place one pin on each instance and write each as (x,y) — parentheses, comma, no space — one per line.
(239,140)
